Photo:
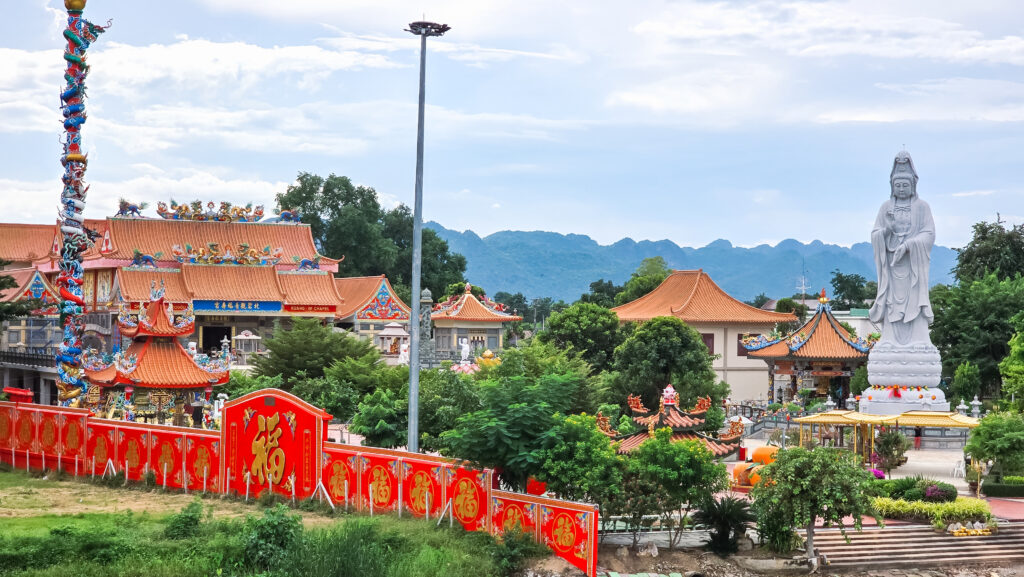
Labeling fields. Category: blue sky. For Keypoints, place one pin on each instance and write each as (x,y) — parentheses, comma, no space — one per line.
(686,120)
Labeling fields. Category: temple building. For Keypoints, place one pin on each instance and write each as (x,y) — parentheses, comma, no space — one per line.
(25,339)
(480,321)
(722,321)
(237,274)
(821,355)
(685,425)
(155,374)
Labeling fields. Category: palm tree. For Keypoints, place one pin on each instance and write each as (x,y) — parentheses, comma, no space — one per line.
(727,518)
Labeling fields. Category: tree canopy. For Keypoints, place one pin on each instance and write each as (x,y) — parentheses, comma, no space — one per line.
(581,464)
(15,309)
(348,221)
(993,248)
(1012,367)
(590,329)
(651,272)
(851,290)
(602,293)
(999,438)
(308,348)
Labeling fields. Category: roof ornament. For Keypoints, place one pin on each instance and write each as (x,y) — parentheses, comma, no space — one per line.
(823,299)
(155,293)
(669,396)
(469,288)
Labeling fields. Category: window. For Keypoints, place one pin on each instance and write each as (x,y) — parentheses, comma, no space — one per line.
(709,342)
(741,351)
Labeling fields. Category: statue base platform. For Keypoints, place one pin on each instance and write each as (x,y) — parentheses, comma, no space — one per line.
(913,365)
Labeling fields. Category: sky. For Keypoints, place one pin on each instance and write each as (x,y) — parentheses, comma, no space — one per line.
(687,120)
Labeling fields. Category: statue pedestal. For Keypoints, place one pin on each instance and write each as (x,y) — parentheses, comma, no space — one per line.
(912,365)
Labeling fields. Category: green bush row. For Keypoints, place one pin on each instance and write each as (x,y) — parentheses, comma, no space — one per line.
(992,488)
(960,511)
(1013,480)
(913,489)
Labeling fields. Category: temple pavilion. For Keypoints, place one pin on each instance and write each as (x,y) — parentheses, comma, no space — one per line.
(821,355)
(721,320)
(478,320)
(155,374)
(685,425)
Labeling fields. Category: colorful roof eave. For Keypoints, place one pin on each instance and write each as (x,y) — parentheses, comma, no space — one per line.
(793,344)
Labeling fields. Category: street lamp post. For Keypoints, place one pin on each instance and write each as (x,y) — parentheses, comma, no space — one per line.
(423,30)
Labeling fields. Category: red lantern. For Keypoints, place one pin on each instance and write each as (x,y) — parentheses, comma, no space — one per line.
(128,393)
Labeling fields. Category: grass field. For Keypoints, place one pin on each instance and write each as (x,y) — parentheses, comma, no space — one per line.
(77,528)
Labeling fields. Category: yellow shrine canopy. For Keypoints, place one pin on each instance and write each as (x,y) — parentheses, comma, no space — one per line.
(909,419)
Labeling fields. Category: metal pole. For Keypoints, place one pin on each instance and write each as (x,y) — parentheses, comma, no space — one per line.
(417,258)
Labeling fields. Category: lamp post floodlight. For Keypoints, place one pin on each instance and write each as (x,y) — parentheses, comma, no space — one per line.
(423,30)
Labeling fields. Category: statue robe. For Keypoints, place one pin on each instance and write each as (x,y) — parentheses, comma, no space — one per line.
(903,300)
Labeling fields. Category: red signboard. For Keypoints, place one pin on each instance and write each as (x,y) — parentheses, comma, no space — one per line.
(310,308)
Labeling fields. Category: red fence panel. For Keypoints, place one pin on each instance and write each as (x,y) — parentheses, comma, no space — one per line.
(7,421)
(100,447)
(469,491)
(378,482)
(422,487)
(133,448)
(570,530)
(511,511)
(340,473)
(202,459)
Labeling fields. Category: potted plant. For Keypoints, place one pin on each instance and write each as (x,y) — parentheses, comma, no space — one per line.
(973,477)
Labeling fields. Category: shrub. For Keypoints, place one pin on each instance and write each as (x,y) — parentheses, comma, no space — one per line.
(914,494)
(511,550)
(185,524)
(794,408)
(899,487)
(878,474)
(773,407)
(269,538)
(940,493)
(727,518)
(991,488)
(960,511)
(1013,480)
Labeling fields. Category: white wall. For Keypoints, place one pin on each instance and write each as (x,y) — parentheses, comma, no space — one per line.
(747,376)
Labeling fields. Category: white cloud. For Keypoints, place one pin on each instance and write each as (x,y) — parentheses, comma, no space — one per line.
(973,193)
(945,99)
(472,54)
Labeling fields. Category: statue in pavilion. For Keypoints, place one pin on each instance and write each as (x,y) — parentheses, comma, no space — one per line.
(902,240)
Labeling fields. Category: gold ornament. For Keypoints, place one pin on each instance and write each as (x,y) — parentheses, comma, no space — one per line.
(74,5)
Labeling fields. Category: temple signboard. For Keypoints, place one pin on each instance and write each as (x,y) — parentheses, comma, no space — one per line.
(237,306)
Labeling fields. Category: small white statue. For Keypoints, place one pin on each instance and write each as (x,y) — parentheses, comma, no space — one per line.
(403,354)
(464,345)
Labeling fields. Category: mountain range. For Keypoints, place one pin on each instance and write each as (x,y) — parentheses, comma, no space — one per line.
(562,266)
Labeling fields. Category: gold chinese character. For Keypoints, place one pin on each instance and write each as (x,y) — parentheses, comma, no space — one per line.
(216,305)
(269,457)
(564,533)
(257,306)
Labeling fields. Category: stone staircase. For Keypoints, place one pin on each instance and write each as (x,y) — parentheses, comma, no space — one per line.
(917,546)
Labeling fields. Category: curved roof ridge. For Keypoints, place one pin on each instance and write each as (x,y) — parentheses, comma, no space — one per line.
(693,291)
(816,320)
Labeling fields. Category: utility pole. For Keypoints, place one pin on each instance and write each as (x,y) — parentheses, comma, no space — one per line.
(423,30)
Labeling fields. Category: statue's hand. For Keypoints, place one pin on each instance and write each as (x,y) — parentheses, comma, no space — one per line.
(900,251)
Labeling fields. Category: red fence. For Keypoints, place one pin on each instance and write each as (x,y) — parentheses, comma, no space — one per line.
(271,440)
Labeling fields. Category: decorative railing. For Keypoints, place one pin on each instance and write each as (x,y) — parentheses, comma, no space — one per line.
(29,356)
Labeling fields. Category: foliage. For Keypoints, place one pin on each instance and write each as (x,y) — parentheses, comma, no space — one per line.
(940,493)
(890,447)
(849,329)
(511,431)
(1011,368)
(626,426)
(961,510)
(793,407)
(651,272)
(382,420)
(602,293)
(665,350)
(536,359)
(14,309)
(367,373)
(242,383)
(999,438)
(336,397)
(308,348)
(444,397)
(991,487)
(511,550)
(347,220)
(581,464)
(850,291)
(686,470)
(859,381)
(640,499)
(728,519)
(788,305)
(966,382)
(185,524)
(458,288)
(588,328)
(803,486)
(993,248)
(269,538)
(759,301)
(1013,479)
(771,408)
(973,323)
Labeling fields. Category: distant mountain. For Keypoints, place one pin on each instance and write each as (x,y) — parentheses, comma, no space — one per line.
(540,264)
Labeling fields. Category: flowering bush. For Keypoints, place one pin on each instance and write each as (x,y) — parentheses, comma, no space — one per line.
(878,474)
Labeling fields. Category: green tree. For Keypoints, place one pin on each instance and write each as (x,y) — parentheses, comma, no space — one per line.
(728,519)
(803,485)
(511,432)
(665,350)
(999,438)
(382,420)
(536,360)
(242,383)
(438,265)
(1012,367)
(444,397)
(788,305)
(849,290)
(13,309)
(581,464)
(859,381)
(651,272)
(993,249)
(307,348)
(891,446)
(626,426)
(686,470)
(640,499)
(338,398)
(966,382)
(759,301)
(602,293)
(458,288)
(973,323)
(365,374)
(849,328)
(588,328)
(516,302)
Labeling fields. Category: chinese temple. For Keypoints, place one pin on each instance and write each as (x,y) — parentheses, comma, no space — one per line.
(722,321)
(685,425)
(369,303)
(156,373)
(478,321)
(821,355)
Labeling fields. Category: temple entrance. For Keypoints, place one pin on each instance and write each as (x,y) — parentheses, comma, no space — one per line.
(211,337)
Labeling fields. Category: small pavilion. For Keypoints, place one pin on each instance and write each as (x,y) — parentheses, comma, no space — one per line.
(480,321)
(821,355)
(166,375)
(863,442)
(685,425)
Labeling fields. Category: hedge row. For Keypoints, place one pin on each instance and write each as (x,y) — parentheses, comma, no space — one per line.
(992,489)
(960,511)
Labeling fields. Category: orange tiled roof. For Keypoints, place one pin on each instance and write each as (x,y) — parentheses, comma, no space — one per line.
(156,322)
(309,288)
(692,296)
(466,307)
(135,284)
(26,242)
(160,362)
(718,447)
(244,283)
(670,416)
(357,292)
(821,337)
(23,278)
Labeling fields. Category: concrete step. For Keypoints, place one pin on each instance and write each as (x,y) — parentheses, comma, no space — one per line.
(933,562)
(917,546)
